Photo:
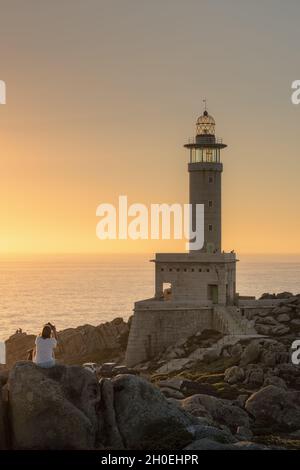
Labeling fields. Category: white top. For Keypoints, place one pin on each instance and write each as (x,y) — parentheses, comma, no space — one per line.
(44,349)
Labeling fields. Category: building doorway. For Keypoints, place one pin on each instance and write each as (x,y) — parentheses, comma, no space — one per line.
(213,293)
(167,291)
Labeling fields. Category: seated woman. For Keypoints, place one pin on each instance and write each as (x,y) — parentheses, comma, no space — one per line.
(44,346)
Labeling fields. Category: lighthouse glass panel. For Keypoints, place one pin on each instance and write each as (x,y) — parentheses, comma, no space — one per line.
(206,155)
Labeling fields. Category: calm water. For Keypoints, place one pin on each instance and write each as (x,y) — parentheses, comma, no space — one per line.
(74,291)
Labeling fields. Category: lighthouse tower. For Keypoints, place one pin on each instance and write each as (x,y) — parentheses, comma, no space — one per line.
(205,171)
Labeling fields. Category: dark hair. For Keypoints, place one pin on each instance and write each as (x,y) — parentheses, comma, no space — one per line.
(46,333)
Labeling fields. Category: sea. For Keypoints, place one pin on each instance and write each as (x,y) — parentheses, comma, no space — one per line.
(73,290)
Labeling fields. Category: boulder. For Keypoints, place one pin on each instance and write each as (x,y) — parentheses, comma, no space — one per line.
(290,373)
(284,295)
(254,376)
(261,312)
(244,434)
(263,329)
(191,388)
(272,352)
(146,419)
(234,375)
(241,400)
(210,432)
(220,410)
(17,347)
(280,330)
(171,393)
(108,431)
(171,383)
(174,352)
(236,350)
(275,408)
(208,444)
(267,321)
(267,295)
(269,358)
(53,408)
(211,355)
(172,366)
(281,310)
(251,353)
(283,318)
(274,380)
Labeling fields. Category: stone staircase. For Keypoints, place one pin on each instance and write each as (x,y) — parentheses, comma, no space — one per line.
(229,321)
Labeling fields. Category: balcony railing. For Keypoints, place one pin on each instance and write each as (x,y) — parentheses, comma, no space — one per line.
(205,139)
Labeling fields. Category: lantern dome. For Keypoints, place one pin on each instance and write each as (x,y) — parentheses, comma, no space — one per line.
(205,124)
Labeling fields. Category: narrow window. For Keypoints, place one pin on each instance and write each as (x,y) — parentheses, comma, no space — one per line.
(210,179)
(210,227)
(210,203)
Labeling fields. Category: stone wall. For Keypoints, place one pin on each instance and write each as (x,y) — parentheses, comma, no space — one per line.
(154,330)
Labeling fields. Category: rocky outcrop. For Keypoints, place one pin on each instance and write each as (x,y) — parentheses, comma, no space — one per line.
(280,320)
(221,412)
(275,408)
(89,343)
(251,353)
(145,418)
(53,408)
(281,295)
(251,388)
(76,345)
(248,387)
(234,375)
(17,348)
(66,407)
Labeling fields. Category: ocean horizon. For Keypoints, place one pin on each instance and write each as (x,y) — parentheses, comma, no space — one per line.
(72,290)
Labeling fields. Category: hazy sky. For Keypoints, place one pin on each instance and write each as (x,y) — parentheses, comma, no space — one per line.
(102,95)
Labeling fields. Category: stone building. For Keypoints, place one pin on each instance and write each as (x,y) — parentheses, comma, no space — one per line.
(195,290)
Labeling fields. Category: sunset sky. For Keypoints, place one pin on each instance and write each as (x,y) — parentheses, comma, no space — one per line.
(102,95)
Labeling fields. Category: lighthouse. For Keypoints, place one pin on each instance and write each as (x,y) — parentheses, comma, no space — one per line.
(206,276)
(195,290)
(205,174)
